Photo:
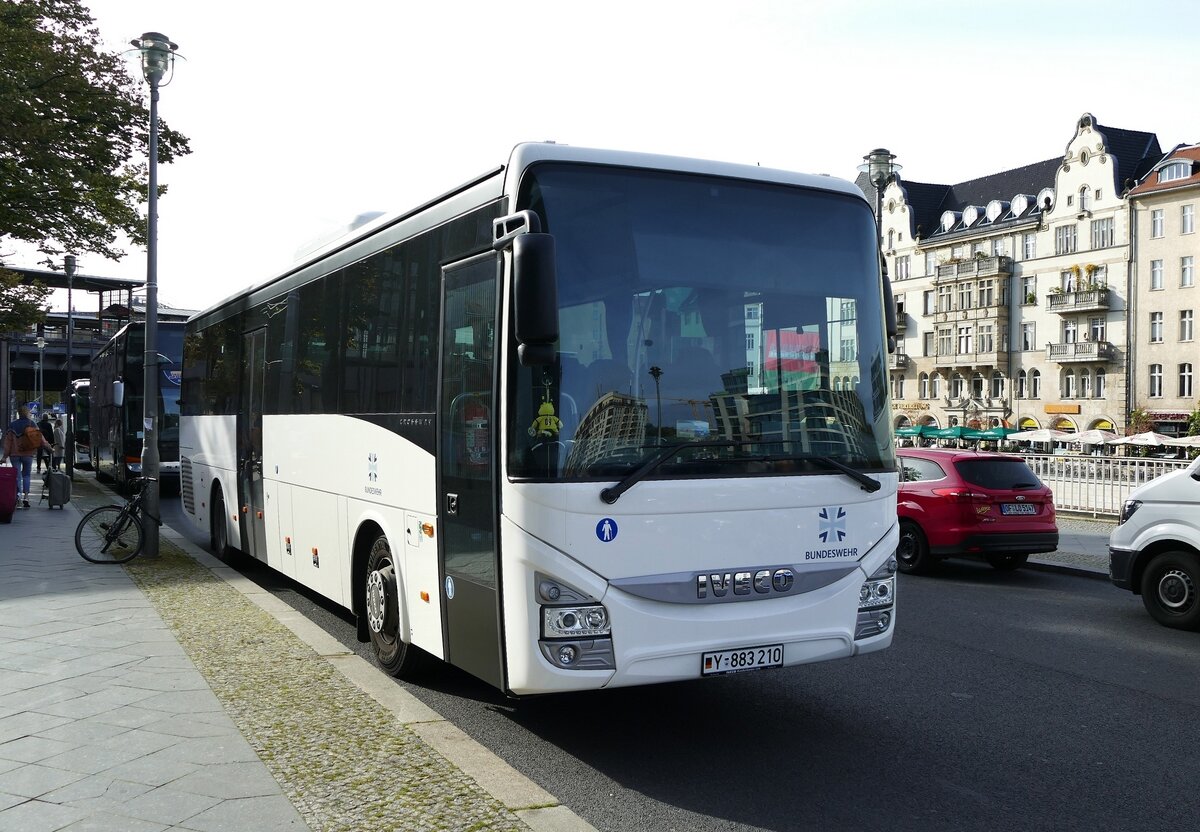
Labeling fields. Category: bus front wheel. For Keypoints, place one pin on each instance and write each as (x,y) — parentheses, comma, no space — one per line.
(218,529)
(394,654)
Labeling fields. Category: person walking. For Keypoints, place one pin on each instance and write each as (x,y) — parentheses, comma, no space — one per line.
(60,442)
(22,441)
(47,430)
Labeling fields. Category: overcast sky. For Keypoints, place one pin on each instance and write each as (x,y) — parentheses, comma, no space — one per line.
(301,119)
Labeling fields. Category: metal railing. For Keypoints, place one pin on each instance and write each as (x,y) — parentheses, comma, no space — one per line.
(1096,485)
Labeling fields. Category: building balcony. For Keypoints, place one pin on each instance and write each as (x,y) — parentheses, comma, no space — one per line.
(1081,351)
(898,361)
(1091,300)
(901,323)
(975,267)
(997,359)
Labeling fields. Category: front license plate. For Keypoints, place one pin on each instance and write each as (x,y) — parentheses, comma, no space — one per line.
(737,661)
(1018,508)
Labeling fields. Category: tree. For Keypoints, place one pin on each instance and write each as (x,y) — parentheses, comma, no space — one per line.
(74,135)
(1139,421)
(20,306)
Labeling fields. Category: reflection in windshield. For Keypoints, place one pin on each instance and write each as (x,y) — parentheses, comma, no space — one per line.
(741,318)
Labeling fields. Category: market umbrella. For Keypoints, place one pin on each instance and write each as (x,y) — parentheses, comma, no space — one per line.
(916,430)
(957,432)
(1038,435)
(1090,437)
(1184,441)
(997,433)
(1144,439)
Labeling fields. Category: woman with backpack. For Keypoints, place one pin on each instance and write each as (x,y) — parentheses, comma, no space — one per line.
(22,441)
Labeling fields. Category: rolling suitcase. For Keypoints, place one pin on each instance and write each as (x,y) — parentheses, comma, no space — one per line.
(8,492)
(57,490)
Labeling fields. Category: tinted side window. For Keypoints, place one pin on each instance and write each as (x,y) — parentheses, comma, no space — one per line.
(997,473)
(915,469)
(210,370)
(313,385)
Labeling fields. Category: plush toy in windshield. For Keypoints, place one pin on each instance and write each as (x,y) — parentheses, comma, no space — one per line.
(546,425)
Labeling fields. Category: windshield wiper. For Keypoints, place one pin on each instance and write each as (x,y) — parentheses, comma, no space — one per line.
(868,484)
(611,495)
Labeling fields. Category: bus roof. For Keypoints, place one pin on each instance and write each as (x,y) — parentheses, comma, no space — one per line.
(529,153)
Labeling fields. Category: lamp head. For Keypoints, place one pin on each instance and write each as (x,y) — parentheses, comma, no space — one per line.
(879,165)
(158,55)
(69,264)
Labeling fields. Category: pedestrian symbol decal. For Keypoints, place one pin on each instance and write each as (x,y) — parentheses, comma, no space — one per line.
(606,530)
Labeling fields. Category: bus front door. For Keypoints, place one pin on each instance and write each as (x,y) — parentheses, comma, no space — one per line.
(466,444)
(249,439)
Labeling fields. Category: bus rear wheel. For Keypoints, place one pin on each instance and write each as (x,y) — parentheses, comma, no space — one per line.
(382,604)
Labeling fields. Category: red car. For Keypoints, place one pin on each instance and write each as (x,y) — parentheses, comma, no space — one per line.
(955,503)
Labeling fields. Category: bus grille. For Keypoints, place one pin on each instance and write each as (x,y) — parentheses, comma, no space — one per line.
(187,495)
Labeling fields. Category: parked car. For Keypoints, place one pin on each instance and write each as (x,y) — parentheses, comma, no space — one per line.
(954,503)
(1155,550)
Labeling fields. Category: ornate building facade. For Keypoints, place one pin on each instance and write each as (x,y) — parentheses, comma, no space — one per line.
(1012,290)
(1165,296)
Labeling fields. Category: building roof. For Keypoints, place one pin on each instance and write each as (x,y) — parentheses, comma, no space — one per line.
(1148,183)
(1134,153)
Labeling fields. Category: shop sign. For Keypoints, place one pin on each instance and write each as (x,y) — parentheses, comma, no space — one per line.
(1062,408)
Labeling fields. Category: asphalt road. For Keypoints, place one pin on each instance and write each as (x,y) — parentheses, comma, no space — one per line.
(1031,700)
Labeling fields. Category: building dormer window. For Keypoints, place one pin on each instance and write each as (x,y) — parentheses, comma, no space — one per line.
(1174,171)
(949,220)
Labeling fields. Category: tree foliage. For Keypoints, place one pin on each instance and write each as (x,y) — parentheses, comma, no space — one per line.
(1139,421)
(20,305)
(74,134)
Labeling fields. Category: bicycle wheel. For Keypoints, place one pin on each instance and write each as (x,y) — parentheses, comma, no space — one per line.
(109,534)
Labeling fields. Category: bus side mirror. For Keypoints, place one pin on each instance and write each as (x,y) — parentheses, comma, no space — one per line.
(118,393)
(535,293)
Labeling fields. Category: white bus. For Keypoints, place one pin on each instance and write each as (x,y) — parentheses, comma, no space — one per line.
(592,419)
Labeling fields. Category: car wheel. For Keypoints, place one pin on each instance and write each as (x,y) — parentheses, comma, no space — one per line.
(1007,563)
(912,555)
(1171,590)
(394,654)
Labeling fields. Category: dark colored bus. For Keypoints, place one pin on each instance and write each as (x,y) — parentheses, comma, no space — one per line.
(116,429)
(75,399)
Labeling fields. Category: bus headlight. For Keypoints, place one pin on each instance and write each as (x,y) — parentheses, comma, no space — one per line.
(879,590)
(876,598)
(575,622)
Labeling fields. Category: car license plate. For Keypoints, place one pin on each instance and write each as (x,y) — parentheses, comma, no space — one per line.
(738,661)
(1018,508)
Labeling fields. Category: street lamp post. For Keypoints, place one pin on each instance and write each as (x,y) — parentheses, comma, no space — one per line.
(158,58)
(38,377)
(880,166)
(69,450)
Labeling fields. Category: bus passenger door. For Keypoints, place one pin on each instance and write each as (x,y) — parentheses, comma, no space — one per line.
(249,440)
(467,501)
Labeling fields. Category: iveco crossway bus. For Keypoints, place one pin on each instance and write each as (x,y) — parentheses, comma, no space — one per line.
(592,419)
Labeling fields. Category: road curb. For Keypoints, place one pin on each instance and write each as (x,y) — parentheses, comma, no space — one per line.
(533,805)
(1066,569)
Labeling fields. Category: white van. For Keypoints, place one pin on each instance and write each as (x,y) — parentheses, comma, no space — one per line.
(1155,551)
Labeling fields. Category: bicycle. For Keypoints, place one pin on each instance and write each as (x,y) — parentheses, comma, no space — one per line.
(114,534)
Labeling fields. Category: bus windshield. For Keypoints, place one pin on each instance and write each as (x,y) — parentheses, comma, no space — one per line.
(740,319)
